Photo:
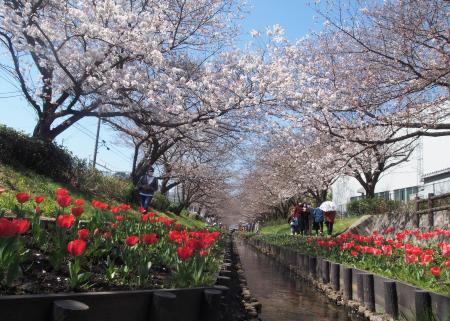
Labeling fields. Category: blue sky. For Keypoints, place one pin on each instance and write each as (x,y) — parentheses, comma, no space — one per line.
(295,16)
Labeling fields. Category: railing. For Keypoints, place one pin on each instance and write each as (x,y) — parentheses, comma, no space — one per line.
(430,210)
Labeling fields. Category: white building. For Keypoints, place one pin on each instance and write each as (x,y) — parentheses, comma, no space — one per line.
(427,171)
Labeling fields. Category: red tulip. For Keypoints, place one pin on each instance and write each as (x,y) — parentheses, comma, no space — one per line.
(436,271)
(387,250)
(63,200)
(376,252)
(132,240)
(203,252)
(61,192)
(7,228)
(141,210)
(107,235)
(150,238)
(114,226)
(83,233)
(445,248)
(77,211)
(119,218)
(65,221)
(114,209)
(99,205)
(22,225)
(409,259)
(39,199)
(76,247)
(447,264)
(22,197)
(184,253)
(425,259)
(78,202)
(124,207)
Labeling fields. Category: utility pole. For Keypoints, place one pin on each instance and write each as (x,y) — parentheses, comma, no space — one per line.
(96,143)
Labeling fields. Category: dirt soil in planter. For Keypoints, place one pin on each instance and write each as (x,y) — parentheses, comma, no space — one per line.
(39,277)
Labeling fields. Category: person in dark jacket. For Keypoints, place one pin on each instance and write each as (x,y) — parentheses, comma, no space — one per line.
(147,186)
(318,220)
(304,219)
(329,221)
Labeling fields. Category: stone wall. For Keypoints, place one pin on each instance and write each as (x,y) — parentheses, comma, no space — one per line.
(368,223)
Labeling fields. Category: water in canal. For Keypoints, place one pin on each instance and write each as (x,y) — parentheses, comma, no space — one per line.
(283,297)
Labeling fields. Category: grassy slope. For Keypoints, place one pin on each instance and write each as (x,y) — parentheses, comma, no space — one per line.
(279,227)
(27,181)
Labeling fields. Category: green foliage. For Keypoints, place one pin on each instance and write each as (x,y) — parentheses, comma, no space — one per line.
(31,157)
(20,150)
(372,206)
(281,227)
(160,202)
(184,212)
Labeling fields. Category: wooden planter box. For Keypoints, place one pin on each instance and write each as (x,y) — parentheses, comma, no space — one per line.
(145,305)
(410,302)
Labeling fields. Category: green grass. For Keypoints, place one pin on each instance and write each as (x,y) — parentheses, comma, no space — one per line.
(280,227)
(16,181)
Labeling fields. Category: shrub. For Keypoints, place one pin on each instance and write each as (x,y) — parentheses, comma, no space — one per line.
(160,202)
(20,150)
(372,206)
(194,216)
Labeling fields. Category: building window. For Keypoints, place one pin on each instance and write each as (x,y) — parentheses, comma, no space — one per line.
(384,195)
(404,194)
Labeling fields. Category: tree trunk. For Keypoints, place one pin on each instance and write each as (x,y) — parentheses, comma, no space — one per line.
(42,131)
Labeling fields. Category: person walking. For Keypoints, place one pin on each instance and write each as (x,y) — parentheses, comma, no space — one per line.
(304,218)
(318,220)
(147,186)
(329,221)
(294,221)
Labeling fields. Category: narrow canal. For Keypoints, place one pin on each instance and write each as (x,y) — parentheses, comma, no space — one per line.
(283,297)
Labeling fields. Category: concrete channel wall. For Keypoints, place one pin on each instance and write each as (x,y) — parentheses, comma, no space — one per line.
(375,293)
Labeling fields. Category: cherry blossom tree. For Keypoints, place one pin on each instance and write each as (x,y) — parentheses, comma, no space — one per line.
(73,59)
(376,64)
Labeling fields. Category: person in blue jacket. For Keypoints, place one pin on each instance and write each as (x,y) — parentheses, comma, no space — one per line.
(318,218)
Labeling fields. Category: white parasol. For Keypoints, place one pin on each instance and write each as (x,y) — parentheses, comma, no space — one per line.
(328,206)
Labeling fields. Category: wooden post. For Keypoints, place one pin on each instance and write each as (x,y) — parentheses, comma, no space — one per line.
(211,305)
(422,304)
(225,273)
(390,299)
(417,215)
(163,304)
(325,271)
(369,292)
(335,276)
(360,287)
(312,266)
(348,284)
(223,280)
(430,211)
(69,310)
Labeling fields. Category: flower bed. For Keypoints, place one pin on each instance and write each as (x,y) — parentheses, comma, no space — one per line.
(416,257)
(117,248)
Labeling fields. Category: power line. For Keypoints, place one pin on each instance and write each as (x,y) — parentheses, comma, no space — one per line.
(91,135)
(112,147)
